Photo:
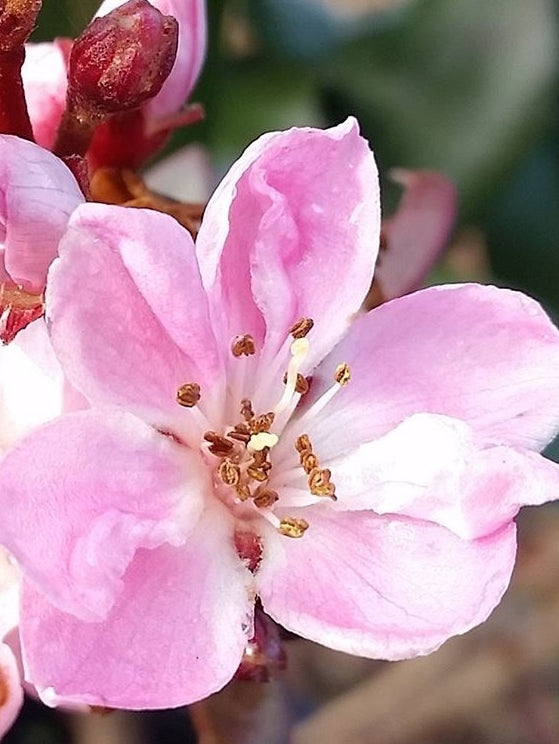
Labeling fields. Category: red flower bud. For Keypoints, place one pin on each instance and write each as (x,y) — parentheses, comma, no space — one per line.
(122,59)
(17,20)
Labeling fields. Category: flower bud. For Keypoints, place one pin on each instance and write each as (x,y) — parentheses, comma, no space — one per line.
(122,59)
(191,17)
(17,20)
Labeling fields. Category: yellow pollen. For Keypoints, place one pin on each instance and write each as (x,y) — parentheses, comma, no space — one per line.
(263,439)
(301,327)
(188,394)
(243,346)
(343,374)
(292,527)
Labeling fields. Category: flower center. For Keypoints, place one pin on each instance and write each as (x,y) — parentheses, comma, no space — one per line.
(241,455)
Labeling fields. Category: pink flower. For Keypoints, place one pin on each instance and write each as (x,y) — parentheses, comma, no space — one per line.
(372,513)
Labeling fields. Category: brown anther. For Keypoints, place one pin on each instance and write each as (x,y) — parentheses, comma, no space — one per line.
(239,436)
(292,527)
(265,499)
(261,423)
(260,457)
(257,474)
(342,374)
(303,443)
(309,461)
(301,384)
(188,394)
(219,446)
(229,472)
(246,409)
(243,346)
(320,485)
(301,327)
(243,491)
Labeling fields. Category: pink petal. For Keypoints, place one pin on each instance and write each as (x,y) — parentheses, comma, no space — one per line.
(429,467)
(292,231)
(129,318)
(31,384)
(191,16)
(44,81)
(485,355)
(102,485)
(176,633)
(11,693)
(9,593)
(37,195)
(382,587)
(417,233)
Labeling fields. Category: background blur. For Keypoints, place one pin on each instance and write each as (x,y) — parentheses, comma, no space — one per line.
(467,87)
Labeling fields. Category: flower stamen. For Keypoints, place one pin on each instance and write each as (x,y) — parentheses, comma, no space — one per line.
(301,328)
(318,478)
(293,527)
(219,446)
(188,394)
(243,346)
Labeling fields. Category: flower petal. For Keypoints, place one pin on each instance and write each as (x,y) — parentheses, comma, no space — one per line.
(382,587)
(102,485)
(485,355)
(176,633)
(291,232)
(417,233)
(44,75)
(31,383)
(129,318)
(11,692)
(37,195)
(430,468)
(9,593)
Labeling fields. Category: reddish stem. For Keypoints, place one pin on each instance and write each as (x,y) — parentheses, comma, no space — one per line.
(14,118)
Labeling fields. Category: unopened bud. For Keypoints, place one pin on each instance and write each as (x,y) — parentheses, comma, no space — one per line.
(122,59)
(17,20)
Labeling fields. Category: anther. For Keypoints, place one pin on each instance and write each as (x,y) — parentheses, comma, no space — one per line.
(188,394)
(219,446)
(292,527)
(239,436)
(229,472)
(309,461)
(303,443)
(257,474)
(320,485)
(261,423)
(243,346)
(265,499)
(301,327)
(342,374)
(246,409)
(243,491)
(302,384)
